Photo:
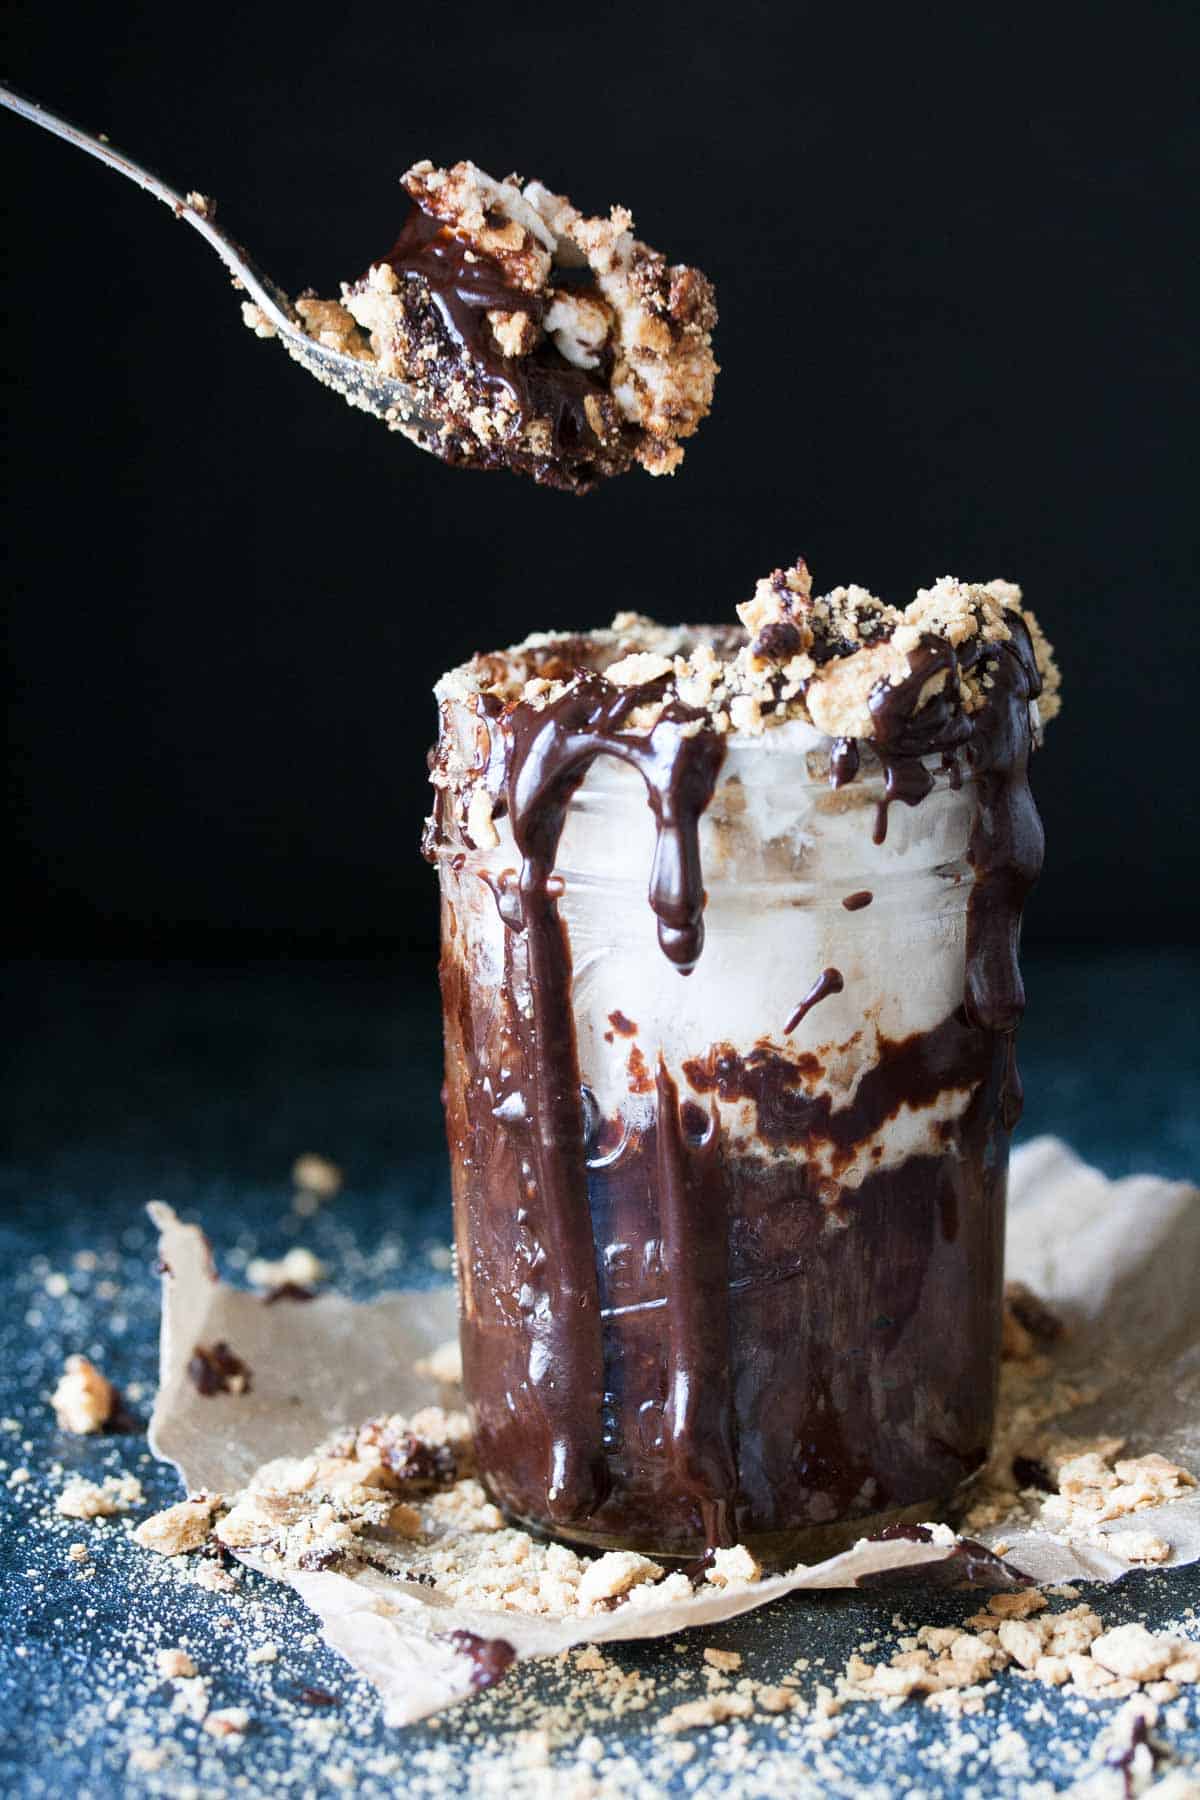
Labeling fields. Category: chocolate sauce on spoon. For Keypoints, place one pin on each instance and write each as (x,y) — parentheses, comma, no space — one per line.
(464,285)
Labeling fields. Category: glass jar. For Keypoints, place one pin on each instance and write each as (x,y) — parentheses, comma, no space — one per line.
(792,1169)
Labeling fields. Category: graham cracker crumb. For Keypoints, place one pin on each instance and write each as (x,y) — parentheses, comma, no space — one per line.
(714,1709)
(443,1364)
(1017,1606)
(84,1399)
(329,323)
(315,1174)
(175,1665)
(1185,1663)
(227,1722)
(82,1499)
(638,668)
(1133,1651)
(256,320)
(214,1578)
(1136,1546)
(615,1573)
(299,1268)
(774,1699)
(179,1528)
(1023,1641)
(731,1566)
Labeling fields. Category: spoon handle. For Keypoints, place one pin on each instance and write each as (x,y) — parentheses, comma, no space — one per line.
(191,207)
(359,381)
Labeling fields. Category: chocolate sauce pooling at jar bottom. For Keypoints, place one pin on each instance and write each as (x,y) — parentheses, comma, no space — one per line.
(763,1371)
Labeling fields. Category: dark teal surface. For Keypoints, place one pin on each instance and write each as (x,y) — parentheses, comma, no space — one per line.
(200,1086)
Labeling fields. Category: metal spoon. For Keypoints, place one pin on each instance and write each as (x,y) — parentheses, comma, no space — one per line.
(358,382)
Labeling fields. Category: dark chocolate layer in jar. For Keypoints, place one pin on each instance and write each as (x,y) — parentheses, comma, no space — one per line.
(676,1337)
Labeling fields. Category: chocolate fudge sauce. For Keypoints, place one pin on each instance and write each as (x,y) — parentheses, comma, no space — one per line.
(548,756)
(464,285)
(829,981)
(676,1342)
(491,1658)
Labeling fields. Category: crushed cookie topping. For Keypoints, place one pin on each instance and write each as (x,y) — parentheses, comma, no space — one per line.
(830,662)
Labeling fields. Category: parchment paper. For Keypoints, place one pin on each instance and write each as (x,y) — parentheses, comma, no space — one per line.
(1119,1261)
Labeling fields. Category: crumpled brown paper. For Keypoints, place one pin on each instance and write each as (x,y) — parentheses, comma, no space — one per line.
(1117,1260)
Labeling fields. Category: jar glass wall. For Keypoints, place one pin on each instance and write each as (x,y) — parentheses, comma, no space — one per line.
(793,1161)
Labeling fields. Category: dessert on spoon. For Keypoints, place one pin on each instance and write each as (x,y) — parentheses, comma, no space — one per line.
(503,330)
(540,340)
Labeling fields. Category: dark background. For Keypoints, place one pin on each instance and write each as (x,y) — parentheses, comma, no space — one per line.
(953,254)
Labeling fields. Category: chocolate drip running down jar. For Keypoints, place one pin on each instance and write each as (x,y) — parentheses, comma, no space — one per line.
(729,1085)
